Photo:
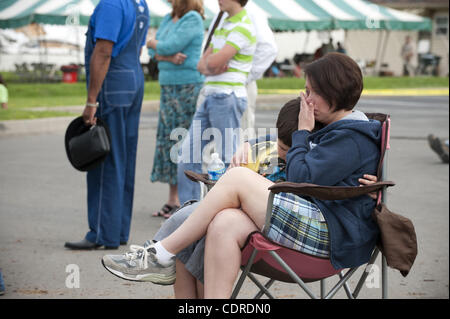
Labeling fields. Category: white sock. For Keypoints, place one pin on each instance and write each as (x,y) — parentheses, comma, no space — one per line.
(165,258)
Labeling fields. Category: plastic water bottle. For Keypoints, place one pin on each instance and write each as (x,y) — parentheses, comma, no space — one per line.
(216,167)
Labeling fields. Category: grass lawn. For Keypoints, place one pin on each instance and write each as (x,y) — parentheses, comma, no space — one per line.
(22,114)
(23,97)
(372,83)
(28,95)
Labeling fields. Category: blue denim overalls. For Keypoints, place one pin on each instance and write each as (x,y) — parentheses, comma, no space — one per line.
(111,185)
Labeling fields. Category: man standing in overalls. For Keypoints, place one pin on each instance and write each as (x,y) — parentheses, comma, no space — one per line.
(115,81)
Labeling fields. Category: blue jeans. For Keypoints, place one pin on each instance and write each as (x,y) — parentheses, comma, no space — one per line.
(2,283)
(218,116)
(111,185)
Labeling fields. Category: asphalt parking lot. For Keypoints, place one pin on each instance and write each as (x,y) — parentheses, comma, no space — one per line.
(43,205)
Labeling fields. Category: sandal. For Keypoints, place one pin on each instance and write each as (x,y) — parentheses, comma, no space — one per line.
(173,210)
(165,211)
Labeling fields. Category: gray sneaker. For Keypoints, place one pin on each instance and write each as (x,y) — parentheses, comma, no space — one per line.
(140,264)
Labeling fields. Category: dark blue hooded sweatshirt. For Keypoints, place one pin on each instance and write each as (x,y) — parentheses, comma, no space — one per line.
(338,155)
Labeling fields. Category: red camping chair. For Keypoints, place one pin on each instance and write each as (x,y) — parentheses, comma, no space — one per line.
(263,257)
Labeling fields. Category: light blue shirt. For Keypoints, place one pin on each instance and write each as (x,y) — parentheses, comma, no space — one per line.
(186,36)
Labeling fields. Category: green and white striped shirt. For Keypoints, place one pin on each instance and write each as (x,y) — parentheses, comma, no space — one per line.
(3,94)
(237,31)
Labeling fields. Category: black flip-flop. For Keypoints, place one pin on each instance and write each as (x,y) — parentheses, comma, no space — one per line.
(173,210)
(164,211)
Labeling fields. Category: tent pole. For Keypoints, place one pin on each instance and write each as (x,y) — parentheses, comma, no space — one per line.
(345,37)
(383,52)
(377,56)
(308,32)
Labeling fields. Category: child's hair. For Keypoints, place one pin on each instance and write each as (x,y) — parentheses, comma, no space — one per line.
(287,121)
(243,2)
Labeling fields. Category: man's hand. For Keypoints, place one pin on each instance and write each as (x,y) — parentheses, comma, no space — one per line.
(89,115)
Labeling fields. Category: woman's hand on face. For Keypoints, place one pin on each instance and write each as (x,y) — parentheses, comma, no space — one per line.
(369,180)
(306,115)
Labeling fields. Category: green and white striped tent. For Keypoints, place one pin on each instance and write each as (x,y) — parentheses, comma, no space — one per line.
(284,15)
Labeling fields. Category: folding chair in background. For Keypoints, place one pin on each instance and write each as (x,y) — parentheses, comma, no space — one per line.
(263,257)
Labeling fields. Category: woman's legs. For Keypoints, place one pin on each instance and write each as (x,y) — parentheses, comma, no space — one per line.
(173,195)
(186,285)
(238,188)
(226,236)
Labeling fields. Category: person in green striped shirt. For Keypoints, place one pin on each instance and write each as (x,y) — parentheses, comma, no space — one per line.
(3,93)
(226,64)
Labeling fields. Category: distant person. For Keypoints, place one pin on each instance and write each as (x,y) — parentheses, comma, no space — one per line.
(297,70)
(407,53)
(340,48)
(329,47)
(177,48)
(3,93)
(275,71)
(116,33)
(440,147)
(2,284)
(320,52)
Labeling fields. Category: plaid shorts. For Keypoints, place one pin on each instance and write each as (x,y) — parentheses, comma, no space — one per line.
(298,224)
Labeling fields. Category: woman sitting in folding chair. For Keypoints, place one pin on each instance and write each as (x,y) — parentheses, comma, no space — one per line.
(338,154)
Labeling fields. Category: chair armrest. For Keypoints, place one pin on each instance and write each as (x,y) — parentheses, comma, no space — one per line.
(195,177)
(328,192)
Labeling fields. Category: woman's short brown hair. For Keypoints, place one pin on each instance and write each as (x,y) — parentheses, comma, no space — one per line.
(337,79)
(181,7)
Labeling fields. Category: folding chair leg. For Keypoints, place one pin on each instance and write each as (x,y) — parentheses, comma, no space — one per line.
(340,283)
(366,272)
(384,279)
(244,274)
(292,274)
(322,288)
(346,287)
(263,289)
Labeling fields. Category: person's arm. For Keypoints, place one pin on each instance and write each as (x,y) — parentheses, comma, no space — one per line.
(266,48)
(241,155)
(99,65)
(3,97)
(175,59)
(216,63)
(305,165)
(368,179)
(190,26)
